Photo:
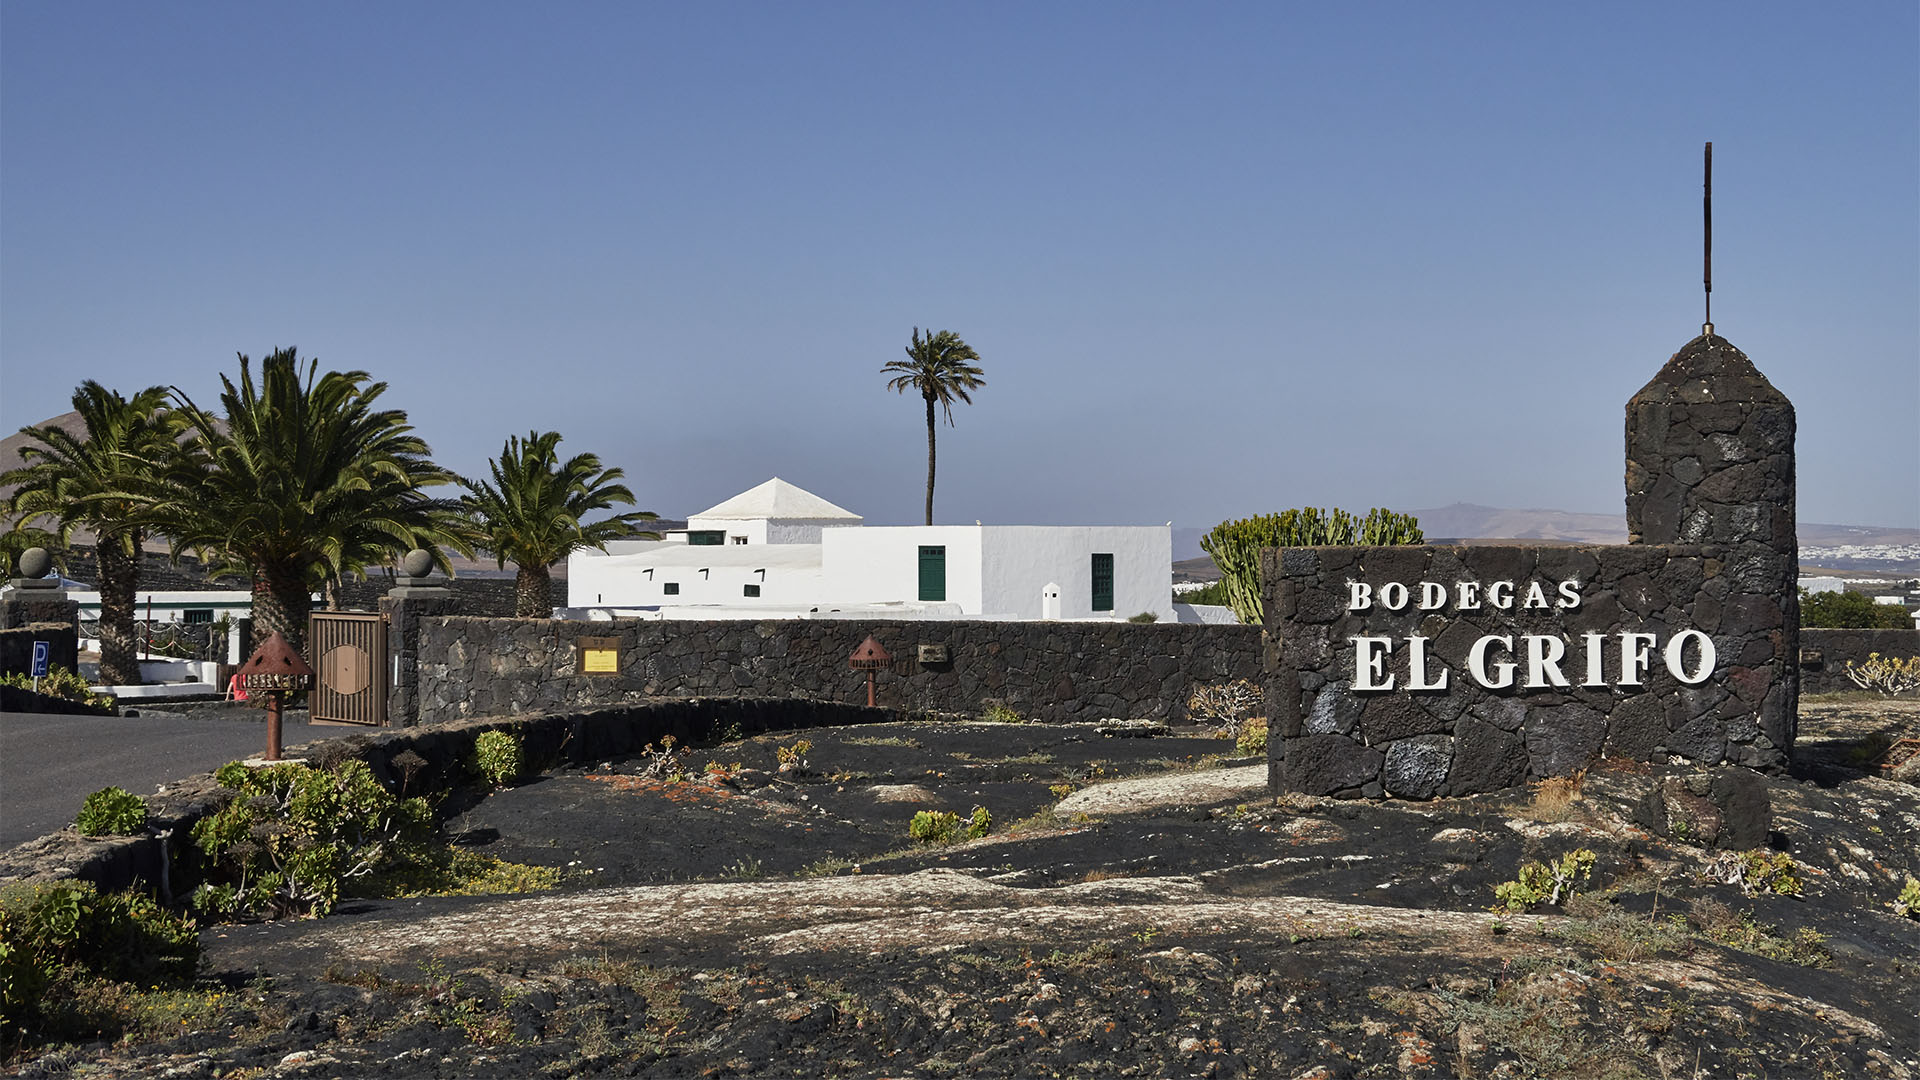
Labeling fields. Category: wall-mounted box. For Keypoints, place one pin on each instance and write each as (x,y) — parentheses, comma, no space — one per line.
(933,654)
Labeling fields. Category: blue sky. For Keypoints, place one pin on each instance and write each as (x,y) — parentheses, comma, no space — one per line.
(1217,259)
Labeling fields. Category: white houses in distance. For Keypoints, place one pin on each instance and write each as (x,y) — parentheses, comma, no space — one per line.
(778,551)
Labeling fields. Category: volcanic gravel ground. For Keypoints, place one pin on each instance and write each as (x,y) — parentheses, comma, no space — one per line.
(771,924)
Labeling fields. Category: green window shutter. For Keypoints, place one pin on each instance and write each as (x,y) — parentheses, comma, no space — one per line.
(1103,581)
(933,572)
(707,537)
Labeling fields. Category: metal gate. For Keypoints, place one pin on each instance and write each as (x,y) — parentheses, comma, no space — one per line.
(350,657)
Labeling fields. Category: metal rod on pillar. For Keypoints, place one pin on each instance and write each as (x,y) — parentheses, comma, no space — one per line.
(1706,272)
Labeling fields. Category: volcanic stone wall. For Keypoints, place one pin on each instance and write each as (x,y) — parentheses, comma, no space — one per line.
(1043,670)
(16,647)
(1824,654)
(1332,738)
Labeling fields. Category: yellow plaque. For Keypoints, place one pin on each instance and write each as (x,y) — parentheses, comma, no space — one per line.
(600,661)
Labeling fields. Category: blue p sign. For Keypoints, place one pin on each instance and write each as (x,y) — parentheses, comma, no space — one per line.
(41,653)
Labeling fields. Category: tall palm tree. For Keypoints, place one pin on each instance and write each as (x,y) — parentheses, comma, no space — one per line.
(531,514)
(938,367)
(301,482)
(92,480)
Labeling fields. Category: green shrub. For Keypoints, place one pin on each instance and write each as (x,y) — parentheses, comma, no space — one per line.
(1908,902)
(1546,883)
(1890,675)
(497,756)
(288,837)
(934,826)
(1143,617)
(1775,872)
(112,811)
(60,683)
(944,826)
(67,929)
(1253,737)
(999,712)
(1235,546)
(981,823)
(793,759)
(454,871)
(1851,610)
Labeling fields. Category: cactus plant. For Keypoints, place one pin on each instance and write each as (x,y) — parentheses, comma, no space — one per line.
(1236,545)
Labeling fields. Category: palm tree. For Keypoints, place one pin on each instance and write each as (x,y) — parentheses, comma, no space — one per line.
(300,483)
(531,514)
(92,480)
(937,366)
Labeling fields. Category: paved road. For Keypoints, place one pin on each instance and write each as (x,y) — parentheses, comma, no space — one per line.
(49,764)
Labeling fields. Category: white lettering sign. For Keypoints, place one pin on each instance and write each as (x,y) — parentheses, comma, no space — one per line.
(1494,660)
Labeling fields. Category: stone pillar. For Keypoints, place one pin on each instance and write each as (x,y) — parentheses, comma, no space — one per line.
(405,605)
(34,598)
(1710,463)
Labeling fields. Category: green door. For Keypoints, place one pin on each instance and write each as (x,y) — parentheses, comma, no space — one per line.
(933,572)
(1103,581)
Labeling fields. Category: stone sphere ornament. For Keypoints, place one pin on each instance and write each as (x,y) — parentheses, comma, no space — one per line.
(35,562)
(418,563)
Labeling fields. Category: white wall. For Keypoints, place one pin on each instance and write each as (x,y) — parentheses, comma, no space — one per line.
(992,571)
(172,606)
(706,575)
(881,563)
(1019,561)
(770,530)
(754,529)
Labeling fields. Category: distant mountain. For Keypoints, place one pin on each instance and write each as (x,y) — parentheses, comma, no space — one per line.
(1843,547)
(1466,521)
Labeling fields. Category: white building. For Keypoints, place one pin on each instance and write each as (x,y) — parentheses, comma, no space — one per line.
(776,512)
(777,551)
(189,606)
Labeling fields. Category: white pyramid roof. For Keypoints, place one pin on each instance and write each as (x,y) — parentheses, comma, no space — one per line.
(778,499)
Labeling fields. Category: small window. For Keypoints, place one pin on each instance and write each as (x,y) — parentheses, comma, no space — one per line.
(750,590)
(707,537)
(739,539)
(1103,581)
(671,588)
(197,616)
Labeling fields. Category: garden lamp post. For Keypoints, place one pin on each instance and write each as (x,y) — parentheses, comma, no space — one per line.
(870,658)
(275,668)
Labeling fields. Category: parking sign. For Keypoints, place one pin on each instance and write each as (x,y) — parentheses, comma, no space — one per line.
(41,652)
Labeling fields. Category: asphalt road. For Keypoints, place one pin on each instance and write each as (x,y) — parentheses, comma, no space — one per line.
(49,764)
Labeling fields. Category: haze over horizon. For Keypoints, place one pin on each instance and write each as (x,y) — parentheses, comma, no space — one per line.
(1216,263)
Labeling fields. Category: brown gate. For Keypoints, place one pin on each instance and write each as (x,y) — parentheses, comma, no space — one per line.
(350,657)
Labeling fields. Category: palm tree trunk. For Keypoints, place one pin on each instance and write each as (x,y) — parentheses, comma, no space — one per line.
(119,583)
(531,597)
(929,459)
(280,603)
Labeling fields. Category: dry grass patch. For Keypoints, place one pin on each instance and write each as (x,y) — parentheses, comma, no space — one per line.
(1557,798)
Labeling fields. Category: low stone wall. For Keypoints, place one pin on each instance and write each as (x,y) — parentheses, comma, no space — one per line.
(16,647)
(1043,670)
(1434,671)
(1824,654)
(156,860)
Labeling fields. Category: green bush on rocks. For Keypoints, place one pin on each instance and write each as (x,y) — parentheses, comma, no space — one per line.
(64,932)
(112,811)
(288,836)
